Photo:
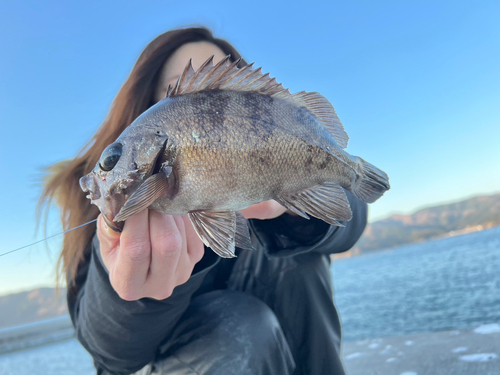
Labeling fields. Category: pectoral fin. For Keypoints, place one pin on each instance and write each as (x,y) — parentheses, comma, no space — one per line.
(153,188)
(222,231)
(327,202)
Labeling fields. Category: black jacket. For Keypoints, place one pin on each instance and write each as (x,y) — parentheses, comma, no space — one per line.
(124,336)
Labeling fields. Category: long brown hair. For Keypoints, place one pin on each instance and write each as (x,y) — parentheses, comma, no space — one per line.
(135,96)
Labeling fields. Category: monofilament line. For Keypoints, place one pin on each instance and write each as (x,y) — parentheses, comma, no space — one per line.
(46,238)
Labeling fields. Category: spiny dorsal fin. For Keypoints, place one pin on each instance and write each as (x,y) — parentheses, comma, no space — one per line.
(227,76)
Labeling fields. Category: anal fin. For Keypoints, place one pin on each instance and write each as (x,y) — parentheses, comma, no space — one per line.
(242,237)
(327,202)
(289,205)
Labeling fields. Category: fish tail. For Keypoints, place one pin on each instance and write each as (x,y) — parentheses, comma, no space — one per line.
(371,184)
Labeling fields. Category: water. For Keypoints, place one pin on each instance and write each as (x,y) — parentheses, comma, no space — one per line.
(63,358)
(433,286)
(439,285)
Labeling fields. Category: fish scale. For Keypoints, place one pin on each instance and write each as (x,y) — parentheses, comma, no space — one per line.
(222,140)
(282,153)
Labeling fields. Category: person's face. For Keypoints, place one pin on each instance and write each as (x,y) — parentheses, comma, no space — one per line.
(199,52)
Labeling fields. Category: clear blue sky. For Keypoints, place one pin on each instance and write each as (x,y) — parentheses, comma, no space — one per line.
(416,84)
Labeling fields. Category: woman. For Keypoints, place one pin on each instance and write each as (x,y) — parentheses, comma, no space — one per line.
(153,295)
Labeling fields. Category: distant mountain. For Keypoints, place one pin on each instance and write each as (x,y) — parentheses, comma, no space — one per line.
(31,306)
(469,215)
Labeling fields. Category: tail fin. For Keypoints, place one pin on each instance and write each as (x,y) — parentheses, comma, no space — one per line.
(372,184)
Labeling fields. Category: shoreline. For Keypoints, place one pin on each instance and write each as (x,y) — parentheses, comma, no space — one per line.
(465,351)
(27,336)
(356,252)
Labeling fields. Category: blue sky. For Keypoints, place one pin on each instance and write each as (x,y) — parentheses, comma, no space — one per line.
(416,84)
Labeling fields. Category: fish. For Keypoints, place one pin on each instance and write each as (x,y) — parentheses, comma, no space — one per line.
(225,138)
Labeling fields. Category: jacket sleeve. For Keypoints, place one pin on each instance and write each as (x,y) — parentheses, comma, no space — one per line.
(290,235)
(123,336)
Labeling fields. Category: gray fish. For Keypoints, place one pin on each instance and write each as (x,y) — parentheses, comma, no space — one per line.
(222,140)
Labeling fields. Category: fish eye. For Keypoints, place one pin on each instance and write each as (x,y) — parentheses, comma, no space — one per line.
(110,156)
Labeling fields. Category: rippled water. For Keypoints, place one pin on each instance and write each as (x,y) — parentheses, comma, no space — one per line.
(433,286)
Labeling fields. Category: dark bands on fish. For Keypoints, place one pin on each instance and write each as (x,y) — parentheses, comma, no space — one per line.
(46,238)
(223,139)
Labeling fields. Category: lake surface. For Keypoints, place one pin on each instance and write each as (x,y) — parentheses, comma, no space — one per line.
(433,286)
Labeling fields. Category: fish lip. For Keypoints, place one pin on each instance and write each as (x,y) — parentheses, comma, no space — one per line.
(88,185)
(116,227)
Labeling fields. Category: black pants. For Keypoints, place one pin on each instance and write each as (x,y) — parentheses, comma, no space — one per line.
(276,318)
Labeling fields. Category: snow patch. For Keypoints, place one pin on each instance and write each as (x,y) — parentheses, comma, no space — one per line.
(488,328)
(480,357)
(387,349)
(409,343)
(409,373)
(373,346)
(352,356)
(460,349)
(389,360)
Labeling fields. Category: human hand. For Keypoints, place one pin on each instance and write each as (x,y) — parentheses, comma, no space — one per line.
(264,210)
(153,254)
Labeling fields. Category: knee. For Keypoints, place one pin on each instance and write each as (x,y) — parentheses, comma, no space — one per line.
(241,318)
(258,323)
(245,333)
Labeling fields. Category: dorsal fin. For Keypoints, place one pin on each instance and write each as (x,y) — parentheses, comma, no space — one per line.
(323,110)
(227,76)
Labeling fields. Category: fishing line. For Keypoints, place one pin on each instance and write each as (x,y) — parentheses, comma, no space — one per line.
(46,238)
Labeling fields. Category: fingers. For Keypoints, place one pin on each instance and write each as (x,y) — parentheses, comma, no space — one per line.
(167,243)
(264,210)
(130,271)
(109,241)
(175,253)
(154,254)
(185,266)
(192,251)
(195,246)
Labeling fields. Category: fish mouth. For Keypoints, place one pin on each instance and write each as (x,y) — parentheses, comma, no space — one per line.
(90,184)
(116,227)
